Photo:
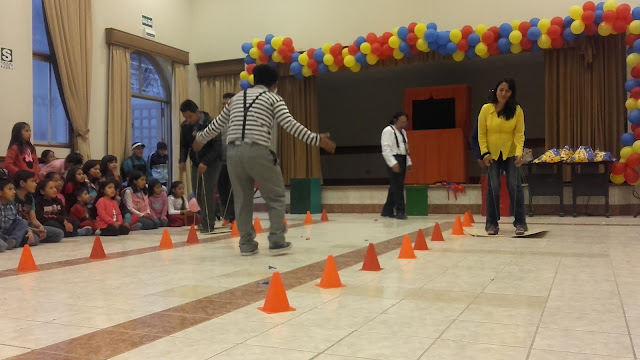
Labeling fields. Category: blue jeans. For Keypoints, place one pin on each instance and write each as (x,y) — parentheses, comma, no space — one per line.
(516,194)
(16,231)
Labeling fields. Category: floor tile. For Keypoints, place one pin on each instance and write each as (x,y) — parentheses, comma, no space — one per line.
(558,355)
(41,335)
(10,351)
(360,344)
(488,333)
(586,342)
(608,323)
(171,348)
(453,350)
(244,352)
(294,337)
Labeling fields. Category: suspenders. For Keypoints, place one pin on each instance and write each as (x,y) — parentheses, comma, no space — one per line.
(404,140)
(246,111)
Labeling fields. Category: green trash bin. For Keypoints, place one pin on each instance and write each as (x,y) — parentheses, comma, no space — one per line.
(417,200)
(305,196)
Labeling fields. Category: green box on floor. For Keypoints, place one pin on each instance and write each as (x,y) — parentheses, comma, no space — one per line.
(305,196)
(417,200)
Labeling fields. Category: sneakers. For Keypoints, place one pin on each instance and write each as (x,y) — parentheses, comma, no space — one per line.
(280,249)
(11,243)
(249,253)
(205,230)
(401,216)
(136,226)
(3,246)
(85,231)
(391,215)
(492,230)
(98,232)
(520,230)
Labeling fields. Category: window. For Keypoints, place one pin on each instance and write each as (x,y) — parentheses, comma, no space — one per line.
(149,103)
(50,121)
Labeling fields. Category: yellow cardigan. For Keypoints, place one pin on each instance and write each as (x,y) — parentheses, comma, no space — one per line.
(497,135)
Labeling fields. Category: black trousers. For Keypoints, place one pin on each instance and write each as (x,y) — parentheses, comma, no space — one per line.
(395,196)
(226,195)
(111,230)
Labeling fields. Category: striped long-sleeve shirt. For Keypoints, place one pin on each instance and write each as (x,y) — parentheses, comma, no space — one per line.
(267,108)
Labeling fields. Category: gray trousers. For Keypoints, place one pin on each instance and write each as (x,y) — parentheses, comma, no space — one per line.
(251,164)
(204,186)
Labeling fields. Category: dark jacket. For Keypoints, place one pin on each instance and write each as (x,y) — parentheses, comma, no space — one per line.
(134,163)
(50,209)
(474,144)
(211,152)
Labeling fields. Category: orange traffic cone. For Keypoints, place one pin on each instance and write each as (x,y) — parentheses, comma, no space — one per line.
(165,242)
(473,221)
(276,301)
(371,260)
(421,242)
(26,261)
(406,251)
(97,251)
(308,220)
(324,216)
(257,226)
(467,220)
(192,238)
(437,233)
(234,230)
(330,277)
(457,227)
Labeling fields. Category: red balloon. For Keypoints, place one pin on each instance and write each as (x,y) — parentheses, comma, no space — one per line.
(618,168)
(635,93)
(558,21)
(488,37)
(466,31)
(338,60)
(387,50)
(554,31)
(557,43)
(623,11)
(636,134)
(250,68)
(353,49)
(635,72)
(283,51)
(336,50)
(496,32)
(463,45)
(371,38)
(629,19)
(609,16)
(526,44)
(376,48)
(312,64)
(412,39)
(261,45)
(310,52)
(264,58)
(414,50)
(412,27)
(493,49)
(288,42)
(634,127)
(524,27)
(385,37)
(631,176)
(588,16)
(287,58)
(591,29)
(589,6)
(631,39)
(633,161)
(619,26)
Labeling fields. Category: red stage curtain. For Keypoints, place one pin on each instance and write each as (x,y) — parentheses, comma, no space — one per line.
(437,155)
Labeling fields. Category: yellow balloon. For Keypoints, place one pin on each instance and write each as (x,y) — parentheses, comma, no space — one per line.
(394,42)
(630,104)
(356,67)
(576,12)
(277,57)
(481,29)
(365,48)
(544,25)
(345,52)
(622,160)
(544,41)
(458,56)
(634,27)
(515,24)
(306,71)
(481,49)
(455,35)
(303,59)
(395,31)
(515,37)
(605,29)
(328,60)
(420,29)
(245,76)
(254,53)
(255,42)
(251,79)
(516,48)
(349,61)
(610,5)
(276,42)
(577,27)
(372,59)
(485,55)
(333,68)
(636,147)
(397,54)
(422,45)
(326,48)
(633,59)
(616,179)
(626,151)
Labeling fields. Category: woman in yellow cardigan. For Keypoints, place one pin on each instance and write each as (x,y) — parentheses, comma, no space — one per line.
(501,140)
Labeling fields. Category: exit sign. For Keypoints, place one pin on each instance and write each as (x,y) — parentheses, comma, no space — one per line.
(147,21)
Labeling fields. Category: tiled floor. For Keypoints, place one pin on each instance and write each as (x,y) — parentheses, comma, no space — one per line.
(573,294)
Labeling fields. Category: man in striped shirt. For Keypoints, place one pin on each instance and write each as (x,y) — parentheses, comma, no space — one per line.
(250,116)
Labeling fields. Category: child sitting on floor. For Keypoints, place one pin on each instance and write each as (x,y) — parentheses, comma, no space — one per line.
(57,179)
(75,180)
(50,212)
(80,211)
(137,202)
(158,202)
(109,219)
(179,214)
(13,228)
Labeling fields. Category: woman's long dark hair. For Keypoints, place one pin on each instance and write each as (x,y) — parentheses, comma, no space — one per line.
(16,138)
(133,177)
(397,116)
(509,110)
(104,167)
(172,191)
(103,185)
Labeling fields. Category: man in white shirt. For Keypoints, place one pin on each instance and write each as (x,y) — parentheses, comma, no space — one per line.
(395,151)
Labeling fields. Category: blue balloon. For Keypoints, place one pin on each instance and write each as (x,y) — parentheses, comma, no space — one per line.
(534,21)
(630,84)
(246,47)
(634,116)
(600,5)
(443,37)
(298,76)
(636,46)
(433,45)
(268,38)
(361,58)
(249,60)
(295,57)
(443,50)
(432,26)
(534,33)
(405,48)
(452,48)
(268,50)
(245,84)
(323,69)
(568,35)
(470,53)
(360,40)
(598,18)
(504,45)
(568,21)
(403,31)
(295,67)
(535,47)
(630,51)
(431,35)
(627,139)
(505,30)
(318,55)
(636,13)
(473,39)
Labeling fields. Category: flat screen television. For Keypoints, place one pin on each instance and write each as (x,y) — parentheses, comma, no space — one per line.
(434,114)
